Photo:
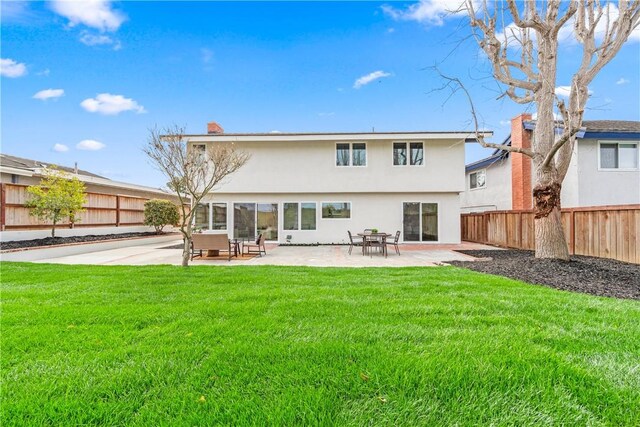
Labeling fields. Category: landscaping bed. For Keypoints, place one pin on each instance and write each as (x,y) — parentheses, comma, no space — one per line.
(49,241)
(590,275)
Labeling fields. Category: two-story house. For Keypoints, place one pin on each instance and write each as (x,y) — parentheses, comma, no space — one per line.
(314,187)
(604,169)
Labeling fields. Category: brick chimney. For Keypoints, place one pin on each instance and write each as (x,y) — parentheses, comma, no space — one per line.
(213,127)
(521,197)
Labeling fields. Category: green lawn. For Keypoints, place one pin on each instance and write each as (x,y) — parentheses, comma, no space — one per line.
(290,346)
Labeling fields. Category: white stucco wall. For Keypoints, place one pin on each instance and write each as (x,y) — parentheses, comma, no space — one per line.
(495,195)
(604,187)
(310,166)
(368,210)
(569,197)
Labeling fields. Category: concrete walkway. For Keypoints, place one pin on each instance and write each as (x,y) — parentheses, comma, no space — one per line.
(152,252)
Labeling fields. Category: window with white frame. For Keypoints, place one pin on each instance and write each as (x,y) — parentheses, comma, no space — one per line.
(477,179)
(619,155)
(219,216)
(299,216)
(351,154)
(408,153)
(332,210)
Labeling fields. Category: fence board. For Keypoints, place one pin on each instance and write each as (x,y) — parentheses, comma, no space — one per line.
(100,210)
(601,231)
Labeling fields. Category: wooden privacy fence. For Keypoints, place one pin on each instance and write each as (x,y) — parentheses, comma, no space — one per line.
(101,210)
(602,231)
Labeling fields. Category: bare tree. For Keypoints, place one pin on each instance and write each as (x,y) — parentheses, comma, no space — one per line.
(192,173)
(523,56)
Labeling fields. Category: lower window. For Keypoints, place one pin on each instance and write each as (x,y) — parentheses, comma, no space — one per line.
(420,222)
(299,216)
(336,210)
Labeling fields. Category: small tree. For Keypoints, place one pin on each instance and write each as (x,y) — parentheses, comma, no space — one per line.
(192,173)
(160,213)
(58,196)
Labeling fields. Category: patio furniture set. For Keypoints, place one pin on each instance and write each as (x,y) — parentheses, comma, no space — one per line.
(371,240)
(216,243)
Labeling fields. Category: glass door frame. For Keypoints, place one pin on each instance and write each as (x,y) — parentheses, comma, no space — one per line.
(420,214)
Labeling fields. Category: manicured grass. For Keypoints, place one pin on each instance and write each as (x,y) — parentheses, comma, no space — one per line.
(310,346)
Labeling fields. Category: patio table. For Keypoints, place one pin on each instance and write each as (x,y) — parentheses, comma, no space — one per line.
(368,238)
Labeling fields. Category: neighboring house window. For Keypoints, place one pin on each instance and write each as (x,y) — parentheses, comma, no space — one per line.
(219,216)
(351,154)
(477,179)
(299,216)
(336,210)
(14,179)
(618,155)
(200,149)
(415,151)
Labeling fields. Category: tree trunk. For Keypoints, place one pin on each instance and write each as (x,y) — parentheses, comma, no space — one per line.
(550,240)
(53,230)
(186,250)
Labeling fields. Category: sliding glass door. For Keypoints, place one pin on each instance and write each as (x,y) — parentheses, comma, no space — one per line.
(244,220)
(251,219)
(420,222)
(268,220)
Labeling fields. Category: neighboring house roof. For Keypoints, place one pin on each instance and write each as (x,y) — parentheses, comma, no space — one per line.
(27,167)
(626,129)
(602,128)
(32,165)
(495,157)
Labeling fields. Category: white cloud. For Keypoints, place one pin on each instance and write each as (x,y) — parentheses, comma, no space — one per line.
(275,131)
(49,94)
(565,91)
(96,14)
(365,80)
(44,72)
(108,104)
(505,122)
(556,116)
(622,81)
(11,68)
(60,148)
(431,12)
(90,145)
(90,39)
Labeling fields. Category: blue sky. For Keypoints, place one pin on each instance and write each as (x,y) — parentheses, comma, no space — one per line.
(94,77)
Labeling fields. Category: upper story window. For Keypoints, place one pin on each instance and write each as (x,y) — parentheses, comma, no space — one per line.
(477,179)
(351,154)
(619,155)
(411,153)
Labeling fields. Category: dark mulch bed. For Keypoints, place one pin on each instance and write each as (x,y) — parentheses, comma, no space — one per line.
(19,244)
(596,276)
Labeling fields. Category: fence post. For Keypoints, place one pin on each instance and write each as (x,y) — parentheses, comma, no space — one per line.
(117,210)
(572,233)
(3,208)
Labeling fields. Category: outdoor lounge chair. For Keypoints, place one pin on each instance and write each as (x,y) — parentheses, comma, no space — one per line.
(210,242)
(359,242)
(255,248)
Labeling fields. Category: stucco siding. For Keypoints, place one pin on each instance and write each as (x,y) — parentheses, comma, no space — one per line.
(310,166)
(604,187)
(496,195)
(368,210)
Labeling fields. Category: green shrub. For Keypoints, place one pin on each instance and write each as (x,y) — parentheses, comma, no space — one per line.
(160,213)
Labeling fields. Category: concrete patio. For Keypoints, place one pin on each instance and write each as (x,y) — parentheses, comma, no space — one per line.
(153,251)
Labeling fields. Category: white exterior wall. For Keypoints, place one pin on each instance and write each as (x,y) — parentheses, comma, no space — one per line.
(569,196)
(302,168)
(495,195)
(368,210)
(604,187)
(310,167)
